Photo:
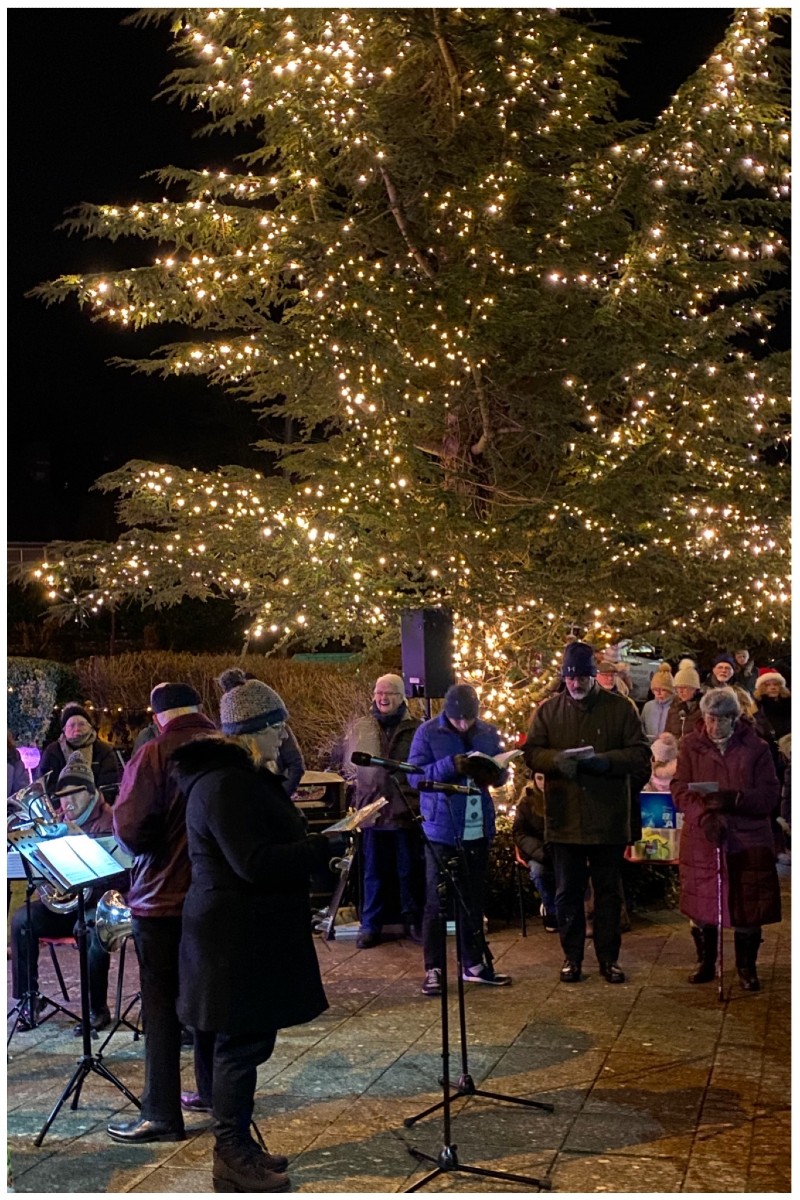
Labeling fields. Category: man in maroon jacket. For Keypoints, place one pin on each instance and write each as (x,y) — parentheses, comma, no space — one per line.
(150,821)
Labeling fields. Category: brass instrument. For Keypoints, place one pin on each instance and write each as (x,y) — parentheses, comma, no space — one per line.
(112,922)
(32,808)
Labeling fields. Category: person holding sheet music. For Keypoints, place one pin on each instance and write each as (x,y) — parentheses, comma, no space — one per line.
(590,747)
(85,811)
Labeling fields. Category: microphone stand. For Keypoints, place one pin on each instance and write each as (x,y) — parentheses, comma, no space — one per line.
(448,888)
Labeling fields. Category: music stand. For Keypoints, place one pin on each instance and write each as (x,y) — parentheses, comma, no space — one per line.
(28,1003)
(76,861)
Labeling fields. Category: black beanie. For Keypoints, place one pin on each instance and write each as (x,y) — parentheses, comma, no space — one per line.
(73,709)
(461,702)
(165,696)
(578,660)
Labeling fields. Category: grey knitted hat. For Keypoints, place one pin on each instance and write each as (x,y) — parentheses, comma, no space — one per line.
(248,704)
(77,773)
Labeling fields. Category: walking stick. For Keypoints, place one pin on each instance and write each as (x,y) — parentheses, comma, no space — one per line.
(720,956)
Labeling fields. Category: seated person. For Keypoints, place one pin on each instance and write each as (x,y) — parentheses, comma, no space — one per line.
(85,811)
(528,834)
(78,734)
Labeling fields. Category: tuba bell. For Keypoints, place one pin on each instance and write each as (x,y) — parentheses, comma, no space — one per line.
(112,922)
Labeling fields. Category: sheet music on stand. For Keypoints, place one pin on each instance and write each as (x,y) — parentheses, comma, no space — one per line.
(68,862)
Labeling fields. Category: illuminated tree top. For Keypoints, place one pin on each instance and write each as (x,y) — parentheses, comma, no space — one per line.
(523,348)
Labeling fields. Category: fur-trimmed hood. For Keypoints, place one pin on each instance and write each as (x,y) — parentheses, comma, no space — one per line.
(215,753)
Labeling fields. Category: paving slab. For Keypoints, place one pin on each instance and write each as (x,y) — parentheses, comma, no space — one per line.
(656,1085)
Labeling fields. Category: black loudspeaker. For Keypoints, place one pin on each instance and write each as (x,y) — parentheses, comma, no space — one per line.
(427,645)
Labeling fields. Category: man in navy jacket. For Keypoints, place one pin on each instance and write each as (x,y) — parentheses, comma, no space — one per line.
(457,828)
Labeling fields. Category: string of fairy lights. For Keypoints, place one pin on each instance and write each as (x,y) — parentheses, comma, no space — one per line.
(402,370)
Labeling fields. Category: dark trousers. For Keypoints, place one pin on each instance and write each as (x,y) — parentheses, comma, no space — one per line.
(574,866)
(233,1078)
(388,853)
(45,923)
(470,873)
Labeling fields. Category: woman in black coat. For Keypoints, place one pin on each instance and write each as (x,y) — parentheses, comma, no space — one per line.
(248,966)
(78,733)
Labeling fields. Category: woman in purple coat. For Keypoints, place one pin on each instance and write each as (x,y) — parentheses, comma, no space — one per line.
(726,788)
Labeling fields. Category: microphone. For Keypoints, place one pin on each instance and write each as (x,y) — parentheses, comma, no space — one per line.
(449,789)
(362,759)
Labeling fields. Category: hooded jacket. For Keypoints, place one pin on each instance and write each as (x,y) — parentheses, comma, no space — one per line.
(247,959)
(590,809)
(747,779)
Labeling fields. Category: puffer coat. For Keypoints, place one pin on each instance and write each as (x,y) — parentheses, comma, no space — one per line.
(247,958)
(746,776)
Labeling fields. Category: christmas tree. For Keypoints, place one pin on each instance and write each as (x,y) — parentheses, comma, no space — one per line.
(513,355)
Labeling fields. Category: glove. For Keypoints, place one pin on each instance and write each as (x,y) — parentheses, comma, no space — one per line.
(598,764)
(714,826)
(566,765)
(719,801)
(482,771)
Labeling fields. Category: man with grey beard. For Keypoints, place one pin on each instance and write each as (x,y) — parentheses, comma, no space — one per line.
(589,745)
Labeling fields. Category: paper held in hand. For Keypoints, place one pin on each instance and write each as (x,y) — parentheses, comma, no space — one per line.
(500,760)
(579,752)
(362,818)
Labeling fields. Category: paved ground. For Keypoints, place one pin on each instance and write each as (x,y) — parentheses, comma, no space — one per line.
(656,1085)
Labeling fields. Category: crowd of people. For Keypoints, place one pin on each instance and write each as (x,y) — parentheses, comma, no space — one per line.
(218,891)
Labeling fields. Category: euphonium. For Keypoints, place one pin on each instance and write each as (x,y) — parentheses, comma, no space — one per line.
(31,806)
(112,922)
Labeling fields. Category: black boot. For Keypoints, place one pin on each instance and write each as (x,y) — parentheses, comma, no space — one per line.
(244,1167)
(746,947)
(705,941)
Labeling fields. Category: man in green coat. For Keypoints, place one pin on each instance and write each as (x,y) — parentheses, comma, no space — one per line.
(589,745)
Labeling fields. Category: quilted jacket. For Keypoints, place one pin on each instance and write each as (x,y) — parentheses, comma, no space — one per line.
(750,893)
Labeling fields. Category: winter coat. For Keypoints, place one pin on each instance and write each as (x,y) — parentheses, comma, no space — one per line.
(106,767)
(775,715)
(746,777)
(247,958)
(590,809)
(528,828)
(433,747)
(150,820)
(682,715)
(369,735)
(654,717)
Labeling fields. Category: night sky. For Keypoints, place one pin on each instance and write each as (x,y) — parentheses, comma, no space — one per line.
(83,125)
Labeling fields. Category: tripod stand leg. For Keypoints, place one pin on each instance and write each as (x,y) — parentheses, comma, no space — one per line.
(102,1070)
(76,1081)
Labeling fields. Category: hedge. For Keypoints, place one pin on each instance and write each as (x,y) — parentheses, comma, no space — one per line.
(35,687)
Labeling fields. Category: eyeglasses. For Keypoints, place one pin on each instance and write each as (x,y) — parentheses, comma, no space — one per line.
(378,694)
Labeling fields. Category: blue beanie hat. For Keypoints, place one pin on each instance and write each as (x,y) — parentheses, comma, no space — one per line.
(578,660)
(461,702)
(725,658)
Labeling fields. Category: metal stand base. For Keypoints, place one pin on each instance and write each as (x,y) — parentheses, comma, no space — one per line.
(447,1160)
(465,1086)
(86,1065)
(28,1007)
